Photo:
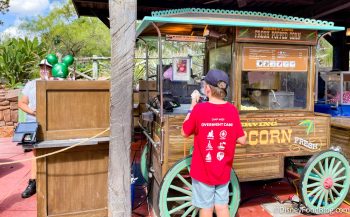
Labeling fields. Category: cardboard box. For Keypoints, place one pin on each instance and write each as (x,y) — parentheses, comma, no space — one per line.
(152,85)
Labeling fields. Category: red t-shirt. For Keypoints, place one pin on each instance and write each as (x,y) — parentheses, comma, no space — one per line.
(216,127)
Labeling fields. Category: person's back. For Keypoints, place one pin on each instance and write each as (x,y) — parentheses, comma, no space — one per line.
(216,127)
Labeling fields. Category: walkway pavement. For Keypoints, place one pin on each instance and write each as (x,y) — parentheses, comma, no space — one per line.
(14,178)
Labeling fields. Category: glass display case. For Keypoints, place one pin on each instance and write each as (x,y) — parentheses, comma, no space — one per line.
(274,78)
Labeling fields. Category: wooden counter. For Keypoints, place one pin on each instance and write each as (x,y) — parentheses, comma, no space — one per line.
(72,109)
(72,183)
(267,151)
(340,136)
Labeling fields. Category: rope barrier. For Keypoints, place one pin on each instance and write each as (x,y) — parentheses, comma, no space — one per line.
(56,152)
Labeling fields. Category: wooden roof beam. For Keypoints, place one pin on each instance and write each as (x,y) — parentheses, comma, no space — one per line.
(295,2)
(104,20)
(322,8)
(331,11)
(242,3)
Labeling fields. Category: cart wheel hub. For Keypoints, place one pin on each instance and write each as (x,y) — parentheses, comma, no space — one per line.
(328,183)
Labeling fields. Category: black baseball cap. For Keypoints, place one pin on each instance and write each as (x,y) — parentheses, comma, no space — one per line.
(215,76)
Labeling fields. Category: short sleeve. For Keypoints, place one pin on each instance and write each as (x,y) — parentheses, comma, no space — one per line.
(27,88)
(189,126)
(238,124)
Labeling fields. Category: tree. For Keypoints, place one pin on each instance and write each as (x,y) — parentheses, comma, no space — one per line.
(324,53)
(4,7)
(63,32)
(19,60)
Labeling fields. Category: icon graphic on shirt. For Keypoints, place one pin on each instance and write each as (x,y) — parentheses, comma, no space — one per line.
(210,135)
(222,146)
(220,155)
(208,157)
(209,146)
(223,134)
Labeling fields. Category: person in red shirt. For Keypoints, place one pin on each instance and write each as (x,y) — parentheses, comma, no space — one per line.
(217,128)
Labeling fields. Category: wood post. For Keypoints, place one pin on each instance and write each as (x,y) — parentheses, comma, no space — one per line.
(95,67)
(123,36)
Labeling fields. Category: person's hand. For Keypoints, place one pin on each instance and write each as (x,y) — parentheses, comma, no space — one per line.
(195,95)
(33,113)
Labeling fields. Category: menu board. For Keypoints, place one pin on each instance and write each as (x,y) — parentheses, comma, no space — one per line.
(282,59)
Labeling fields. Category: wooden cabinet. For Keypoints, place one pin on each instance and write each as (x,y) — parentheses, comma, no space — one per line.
(72,183)
(72,109)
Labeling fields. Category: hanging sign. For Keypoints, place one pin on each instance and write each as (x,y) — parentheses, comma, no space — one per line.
(276,35)
(271,59)
(185,38)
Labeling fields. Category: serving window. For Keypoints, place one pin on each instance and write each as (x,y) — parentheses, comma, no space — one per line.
(274,78)
(346,88)
(337,89)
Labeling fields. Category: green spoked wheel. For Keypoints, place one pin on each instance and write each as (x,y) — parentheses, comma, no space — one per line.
(144,164)
(176,192)
(325,182)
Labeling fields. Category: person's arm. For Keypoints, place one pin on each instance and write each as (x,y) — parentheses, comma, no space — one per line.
(242,140)
(187,117)
(190,126)
(183,132)
(241,134)
(23,104)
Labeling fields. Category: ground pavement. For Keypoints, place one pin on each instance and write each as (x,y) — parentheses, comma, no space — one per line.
(14,178)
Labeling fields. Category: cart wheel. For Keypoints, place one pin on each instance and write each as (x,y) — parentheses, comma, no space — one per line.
(176,192)
(325,182)
(145,162)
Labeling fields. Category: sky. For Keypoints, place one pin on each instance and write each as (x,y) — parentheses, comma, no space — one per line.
(20,9)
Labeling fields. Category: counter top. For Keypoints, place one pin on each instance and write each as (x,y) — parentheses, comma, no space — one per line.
(343,122)
(69,142)
(182,110)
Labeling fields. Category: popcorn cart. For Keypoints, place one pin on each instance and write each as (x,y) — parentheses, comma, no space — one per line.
(270,60)
(334,99)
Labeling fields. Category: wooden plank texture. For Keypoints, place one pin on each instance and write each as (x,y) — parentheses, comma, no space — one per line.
(74,175)
(69,109)
(271,137)
(340,136)
(123,36)
(41,187)
(251,168)
(144,98)
(147,85)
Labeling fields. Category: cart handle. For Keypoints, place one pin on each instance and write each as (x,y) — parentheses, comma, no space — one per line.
(155,144)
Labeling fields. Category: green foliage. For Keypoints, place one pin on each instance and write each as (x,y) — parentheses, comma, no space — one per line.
(170,50)
(324,53)
(65,33)
(4,7)
(19,60)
